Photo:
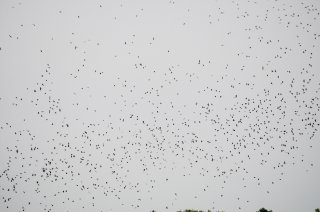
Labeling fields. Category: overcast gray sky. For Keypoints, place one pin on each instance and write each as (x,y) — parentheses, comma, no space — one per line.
(159,104)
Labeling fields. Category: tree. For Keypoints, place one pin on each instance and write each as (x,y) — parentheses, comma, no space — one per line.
(191,210)
(317,210)
(264,210)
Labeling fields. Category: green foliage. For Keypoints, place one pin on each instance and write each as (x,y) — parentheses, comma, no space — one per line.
(317,210)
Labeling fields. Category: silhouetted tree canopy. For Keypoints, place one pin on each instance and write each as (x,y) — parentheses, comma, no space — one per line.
(264,210)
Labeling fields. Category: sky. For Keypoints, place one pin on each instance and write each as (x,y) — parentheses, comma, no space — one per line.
(159,105)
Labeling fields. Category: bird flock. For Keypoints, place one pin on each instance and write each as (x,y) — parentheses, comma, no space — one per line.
(165,105)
